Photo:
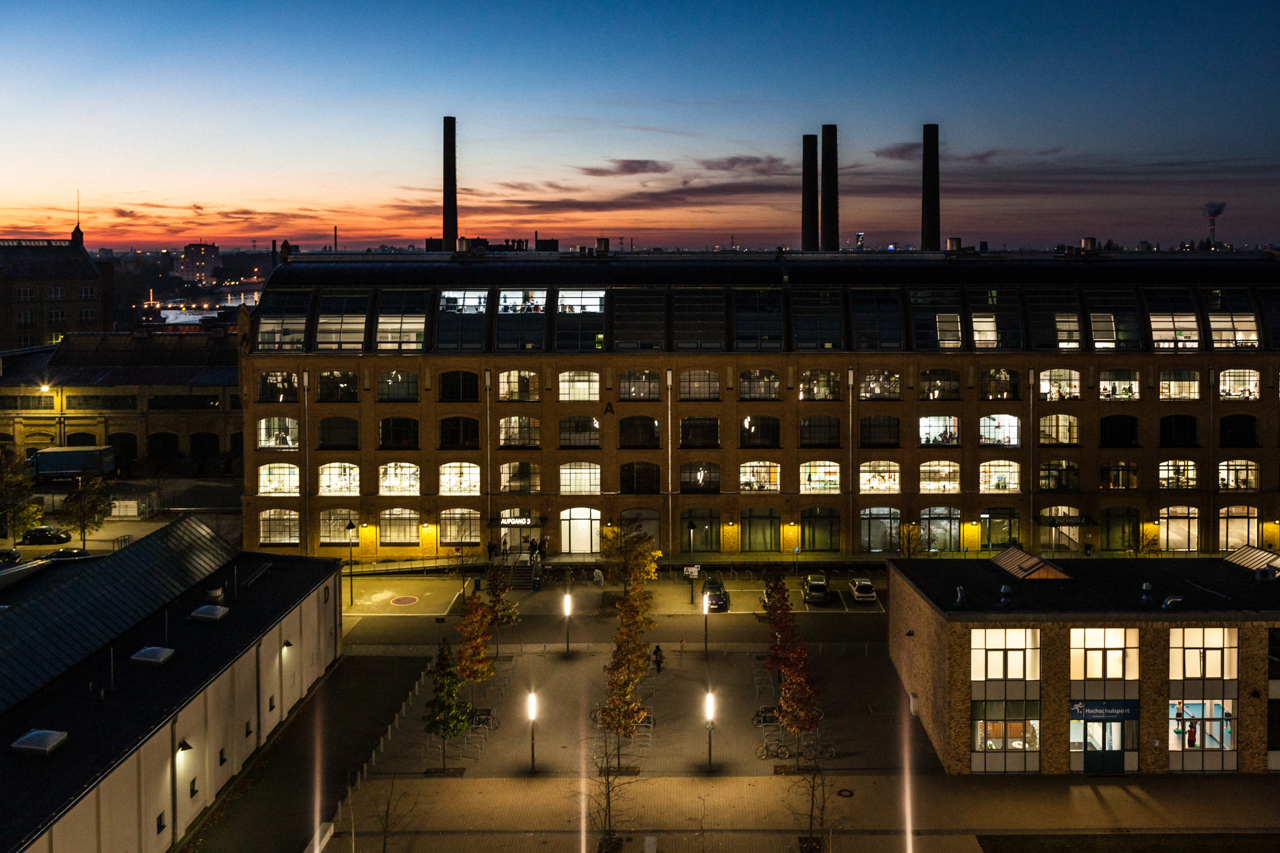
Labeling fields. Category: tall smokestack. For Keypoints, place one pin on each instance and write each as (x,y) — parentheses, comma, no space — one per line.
(450,228)
(1213,210)
(830,191)
(809,194)
(931,202)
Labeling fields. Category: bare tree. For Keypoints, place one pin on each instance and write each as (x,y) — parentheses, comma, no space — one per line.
(812,791)
(607,791)
(390,810)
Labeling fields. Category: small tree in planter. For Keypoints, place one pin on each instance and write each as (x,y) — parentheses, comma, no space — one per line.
(89,506)
(813,790)
(504,611)
(911,543)
(16,486)
(474,663)
(446,717)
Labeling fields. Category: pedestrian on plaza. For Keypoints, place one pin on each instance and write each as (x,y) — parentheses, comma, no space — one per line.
(598,577)
(493,551)
(504,548)
(533,550)
(658,658)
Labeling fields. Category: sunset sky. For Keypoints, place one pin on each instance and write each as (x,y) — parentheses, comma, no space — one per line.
(669,125)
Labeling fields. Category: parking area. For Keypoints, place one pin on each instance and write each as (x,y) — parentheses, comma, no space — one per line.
(392,595)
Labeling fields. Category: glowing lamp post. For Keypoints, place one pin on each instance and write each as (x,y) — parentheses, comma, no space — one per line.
(533,721)
(710,708)
(706,609)
(568,611)
(351,560)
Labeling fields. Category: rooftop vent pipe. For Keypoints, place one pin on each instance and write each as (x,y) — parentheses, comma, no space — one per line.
(931,201)
(830,191)
(809,194)
(1146,592)
(449,232)
(1170,601)
(1005,592)
(960,599)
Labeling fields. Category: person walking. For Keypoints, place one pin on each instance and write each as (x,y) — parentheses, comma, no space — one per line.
(658,658)
(504,549)
(493,551)
(533,550)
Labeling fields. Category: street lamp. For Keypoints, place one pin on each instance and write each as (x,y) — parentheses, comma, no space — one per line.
(710,708)
(706,609)
(568,610)
(351,560)
(533,718)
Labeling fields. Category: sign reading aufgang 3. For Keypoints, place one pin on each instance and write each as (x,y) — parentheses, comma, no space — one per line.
(1104,709)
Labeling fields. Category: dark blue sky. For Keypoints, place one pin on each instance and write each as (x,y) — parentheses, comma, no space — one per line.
(677,126)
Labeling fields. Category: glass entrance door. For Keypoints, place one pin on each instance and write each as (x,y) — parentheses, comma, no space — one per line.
(1104,747)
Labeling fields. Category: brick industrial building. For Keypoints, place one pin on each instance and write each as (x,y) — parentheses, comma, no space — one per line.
(1019,665)
(750,402)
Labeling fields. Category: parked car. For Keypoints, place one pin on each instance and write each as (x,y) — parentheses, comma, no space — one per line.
(46,536)
(862,589)
(717,597)
(816,590)
(9,555)
(67,554)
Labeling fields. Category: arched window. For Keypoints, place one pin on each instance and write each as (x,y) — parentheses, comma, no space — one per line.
(1119,385)
(459,434)
(278,527)
(277,387)
(399,478)
(638,385)
(1000,475)
(880,385)
(639,478)
(999,384)
(1238,384)
(699,385)
(459,478)
(999,527)
(999,429)
(339,433)
(579,478)
(820,529)
(761,529)
(939,385)
(519,478)
(759,476)
(819,385)
(700,478)
(1179,385)
(337,386)
(879,476)
(580,530)
(649,520)
(939,476)
(520,431)
(938,430)
(1238,475)
(579,385)
(820,431)
(819,477)
(1059,429)
(1178,431)
(1118,431)
(1059,475)
(518,386)
(638,432)
(699,432)
(1237,527)
(398,434)
(278,479)
(940,528)
(700,530)
(879,431)
(1120,528)
(397,386)
(1117,474)
(1180,528)
(333,527)
(277,434)
(1059,384)
(460,527)
(340,479)
(579,431)
(759,385)
(760,431)
(879,529)
(1238,431)
(459,386)
(1060,529)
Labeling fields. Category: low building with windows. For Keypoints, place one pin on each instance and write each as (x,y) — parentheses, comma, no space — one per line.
(167,403)
(1019,664)
(755,403)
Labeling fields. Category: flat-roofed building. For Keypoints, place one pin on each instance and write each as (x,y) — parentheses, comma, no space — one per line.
(52,288)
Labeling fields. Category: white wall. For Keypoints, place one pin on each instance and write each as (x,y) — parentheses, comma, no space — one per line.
(291,658)
(329,622)
(310,640)
(246,720)
(77,831)
(155,794)
(192,765)
(118,800)
(270,694)
(220,707)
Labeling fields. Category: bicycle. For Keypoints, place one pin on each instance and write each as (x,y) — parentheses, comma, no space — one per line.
(780,751)
(812,751)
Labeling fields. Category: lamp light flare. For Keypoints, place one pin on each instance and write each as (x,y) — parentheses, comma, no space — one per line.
(710,706)
(568,604)
(533,706)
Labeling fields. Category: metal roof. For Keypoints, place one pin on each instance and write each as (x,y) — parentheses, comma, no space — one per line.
(45,260)
(59,617)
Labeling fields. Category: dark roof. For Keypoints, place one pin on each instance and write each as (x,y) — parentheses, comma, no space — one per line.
(108,360)
(1210,588)
(45,260)
(37,790)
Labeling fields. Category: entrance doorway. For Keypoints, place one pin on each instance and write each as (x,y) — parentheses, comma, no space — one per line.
(580,530)
(1104,747)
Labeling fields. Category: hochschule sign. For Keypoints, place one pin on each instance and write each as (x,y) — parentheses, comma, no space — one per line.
(1095,710)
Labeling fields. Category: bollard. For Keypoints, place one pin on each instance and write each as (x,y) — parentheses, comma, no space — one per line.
(373,760)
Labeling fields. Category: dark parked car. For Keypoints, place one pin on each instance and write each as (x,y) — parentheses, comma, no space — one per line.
(9,555)
(46,536)
(717,597)
(67,554)
(816,590)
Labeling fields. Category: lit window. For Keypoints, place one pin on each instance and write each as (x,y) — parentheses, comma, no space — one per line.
(939,385)
(1180,528)
(1237,527)
(519,431)
(879,476)
(519,478)
(278,434)
(699,385)
(939,430)
(522,301)
(819,385)
(579,385)
(940,476)
(759,385)
(998,429)
(949,331)
(818,477)
(1104,653)
(581,301)
(1203,685)
(1059,475)
(402,320)
(518,386)
(333,527)
(759,476)
(1059,429)
(1175,331)
(985,335)
(700,477)
(999,385)
(1236,384)
(1059,384)
(580,478)
(1238,475)
(1233,331)
(880,385)
(1003,654)
(459,478)
(1179,385)
(1119,385)
(278,479)
(940,528)
(880,527)
(340,478)
(398,478)
(398,527)
(1178,474)
(340,322)
(277,387)
(637,385)
(998,476)
(278,527)
(1068,326)
(1104,330)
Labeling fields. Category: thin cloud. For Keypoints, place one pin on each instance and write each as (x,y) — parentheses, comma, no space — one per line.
(900,151)
(763,166)
(627,167)
(983,157)
(1048,152)
(644,129)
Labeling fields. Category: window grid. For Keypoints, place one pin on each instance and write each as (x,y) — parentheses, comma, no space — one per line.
(759,476)
(402,320)
(1238,384)
(820,385)
(819,477)
(759,385)
(638,385)
(341,479)
(1238,475)
(700,477)
(938,430)
(1119,385)
(277,434)
(518,386)
(459,478)
(519,431)
(333,526)
(1059,384)
(579,431)
(399,478)
(999,429)
(998,476)
(699,385)
(1237,527)
(1059,430)
(519,478)
(879,476)
(278,527)
(820,431)
(1059,475)
(940,476)
(1179,528)
(939,385)
(398,527)
(880,385)
(1203,672)
(579,385)
(278,479)
(1179,385)
(999,385)
(579,478)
